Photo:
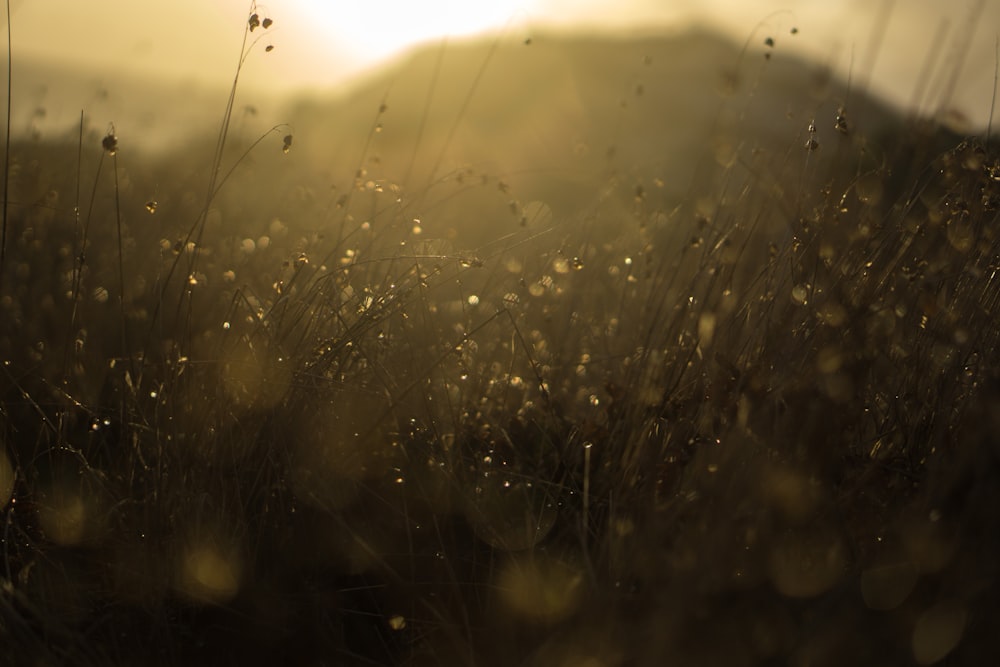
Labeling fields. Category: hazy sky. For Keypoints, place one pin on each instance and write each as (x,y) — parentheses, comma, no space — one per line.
(320,42)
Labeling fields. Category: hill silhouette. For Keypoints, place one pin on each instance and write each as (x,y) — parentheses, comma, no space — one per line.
(559,117)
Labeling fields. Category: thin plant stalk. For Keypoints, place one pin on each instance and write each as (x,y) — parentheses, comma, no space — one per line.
(6,155)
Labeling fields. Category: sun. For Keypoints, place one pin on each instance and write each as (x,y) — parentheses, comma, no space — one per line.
(373,31)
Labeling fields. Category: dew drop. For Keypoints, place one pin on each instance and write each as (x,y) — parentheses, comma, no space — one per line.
(110,143)
(960,233)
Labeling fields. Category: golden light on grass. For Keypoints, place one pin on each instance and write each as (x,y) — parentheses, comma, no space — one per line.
(209,574)
(790,492)
(807,562)
(69,518)
(540,587)
(252,378)
(511,516)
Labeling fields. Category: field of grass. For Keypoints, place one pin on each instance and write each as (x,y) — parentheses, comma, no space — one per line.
(515,356)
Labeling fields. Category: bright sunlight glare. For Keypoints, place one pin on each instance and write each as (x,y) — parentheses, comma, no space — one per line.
(373,31)
(893,47)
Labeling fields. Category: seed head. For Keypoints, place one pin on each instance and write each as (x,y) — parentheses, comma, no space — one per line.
(110,142)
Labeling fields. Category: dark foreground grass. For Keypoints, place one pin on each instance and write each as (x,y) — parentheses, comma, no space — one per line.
(755,427)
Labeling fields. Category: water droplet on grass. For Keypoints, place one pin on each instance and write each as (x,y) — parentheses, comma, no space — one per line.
(110,143)
(960,233)
(840,122)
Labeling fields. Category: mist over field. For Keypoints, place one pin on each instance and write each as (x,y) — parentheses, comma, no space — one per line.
(545,347)
(565,123)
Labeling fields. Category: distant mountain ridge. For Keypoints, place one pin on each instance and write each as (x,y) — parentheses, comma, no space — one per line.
(562,125)
(555,117)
